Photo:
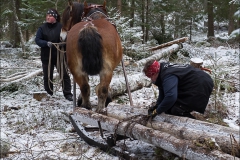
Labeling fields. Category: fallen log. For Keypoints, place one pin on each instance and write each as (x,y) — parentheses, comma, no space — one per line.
(20,79)
(182,148)
(137,81)
(12,78)
(180,40)
(126,111)
(157,55)
(30,75)
(184,128)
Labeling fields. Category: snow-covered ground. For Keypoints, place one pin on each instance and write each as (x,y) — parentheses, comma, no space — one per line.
(41,129)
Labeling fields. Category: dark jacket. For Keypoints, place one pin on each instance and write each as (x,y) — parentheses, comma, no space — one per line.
(183,84)
(48,32)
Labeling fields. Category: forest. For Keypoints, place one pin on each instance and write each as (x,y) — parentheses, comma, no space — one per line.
(41,127)
(157,21)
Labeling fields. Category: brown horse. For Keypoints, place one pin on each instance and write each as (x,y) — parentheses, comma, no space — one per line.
(93,47)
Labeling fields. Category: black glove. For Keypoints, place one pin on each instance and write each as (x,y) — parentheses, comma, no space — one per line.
(152,113)
(151,109)
(49,44)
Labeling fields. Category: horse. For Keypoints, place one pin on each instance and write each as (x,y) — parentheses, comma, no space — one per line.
(93,47)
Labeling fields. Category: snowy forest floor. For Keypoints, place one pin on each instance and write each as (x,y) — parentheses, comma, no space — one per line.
(33,129)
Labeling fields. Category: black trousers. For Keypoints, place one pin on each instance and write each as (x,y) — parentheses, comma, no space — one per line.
(179,110)
(48,86)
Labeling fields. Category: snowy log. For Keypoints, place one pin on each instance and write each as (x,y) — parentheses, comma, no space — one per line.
(20,79)
(158,54)
(182,148)
(12,78)
(29,76)
(180,40)
(137,81)
(184,128)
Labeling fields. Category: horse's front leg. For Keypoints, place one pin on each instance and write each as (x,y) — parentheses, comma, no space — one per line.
(83,100)
(103,92)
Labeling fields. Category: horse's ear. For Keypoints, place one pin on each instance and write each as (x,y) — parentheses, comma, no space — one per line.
(70,4)
(85,4)
(104,4)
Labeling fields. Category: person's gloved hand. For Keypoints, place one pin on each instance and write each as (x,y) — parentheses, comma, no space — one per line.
(49,44)
(151,109)
(152,113)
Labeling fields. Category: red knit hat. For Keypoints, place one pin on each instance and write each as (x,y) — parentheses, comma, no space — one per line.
(152,69)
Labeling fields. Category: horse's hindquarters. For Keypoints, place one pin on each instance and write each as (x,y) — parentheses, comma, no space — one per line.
(111,54)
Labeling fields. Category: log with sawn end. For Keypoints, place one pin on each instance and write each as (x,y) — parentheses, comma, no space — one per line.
(184,128)
(182,148)
(158,54)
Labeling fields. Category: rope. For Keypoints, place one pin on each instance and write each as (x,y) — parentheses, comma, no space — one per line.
(61,61)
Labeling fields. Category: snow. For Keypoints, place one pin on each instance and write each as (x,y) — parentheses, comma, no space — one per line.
(41,129)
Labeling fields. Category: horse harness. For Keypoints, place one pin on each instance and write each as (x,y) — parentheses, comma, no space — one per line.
(91,16)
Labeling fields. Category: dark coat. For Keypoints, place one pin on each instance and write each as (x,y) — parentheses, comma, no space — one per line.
(45,33)
(188,86)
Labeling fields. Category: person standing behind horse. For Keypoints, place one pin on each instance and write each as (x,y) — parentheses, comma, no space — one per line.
(47,34)
(182,88)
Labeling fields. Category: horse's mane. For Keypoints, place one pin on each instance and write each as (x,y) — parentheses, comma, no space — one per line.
(77,11)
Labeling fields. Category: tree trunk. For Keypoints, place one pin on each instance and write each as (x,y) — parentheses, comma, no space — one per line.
(143,21)
(19,28)
(125,111)
(182,148)
(202,130)
(132,13)
(177,25)
(119,6)
(210,18)
(158,54)
(137,81)
(231,18)
(147,22)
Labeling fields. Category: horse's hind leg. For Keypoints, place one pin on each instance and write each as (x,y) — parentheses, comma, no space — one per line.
(102,91)
(109,96)
(83,100)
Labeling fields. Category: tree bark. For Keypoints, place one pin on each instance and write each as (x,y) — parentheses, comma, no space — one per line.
(147,26)
(210,18)
(205,131)
(119,6)
(125,111)
(19,28)
(180,40)
(158,54)
(182,148)
(137,81)
(231,18)
(143,21)
(29,76)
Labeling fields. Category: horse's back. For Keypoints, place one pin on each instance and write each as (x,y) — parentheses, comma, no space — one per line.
(112,48)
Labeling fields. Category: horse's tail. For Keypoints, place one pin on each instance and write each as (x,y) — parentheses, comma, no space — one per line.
(90,46)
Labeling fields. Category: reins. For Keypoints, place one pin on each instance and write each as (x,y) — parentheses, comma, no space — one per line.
(61,62)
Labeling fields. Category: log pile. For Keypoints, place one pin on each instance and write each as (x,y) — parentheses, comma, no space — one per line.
(210,141)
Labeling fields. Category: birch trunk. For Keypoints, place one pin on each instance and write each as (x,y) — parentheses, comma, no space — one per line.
(182,148)
(184,128)
(157,55)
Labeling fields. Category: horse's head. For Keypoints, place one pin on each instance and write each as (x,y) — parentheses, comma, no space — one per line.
(71,15)
(95,11)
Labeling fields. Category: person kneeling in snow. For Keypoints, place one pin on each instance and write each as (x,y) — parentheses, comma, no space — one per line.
(182,88)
